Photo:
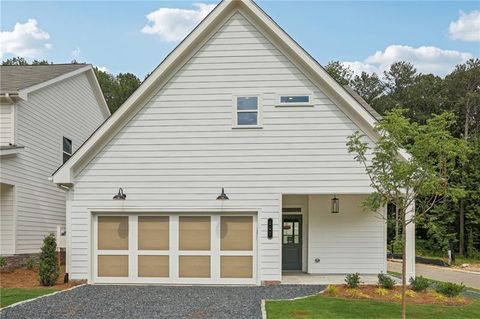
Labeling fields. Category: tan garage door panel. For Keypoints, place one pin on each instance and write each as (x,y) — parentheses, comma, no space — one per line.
(194,232)
(236,233)
(194,266)
(153,266)
(113,232)
(112,266)
(236,267)
(153,233)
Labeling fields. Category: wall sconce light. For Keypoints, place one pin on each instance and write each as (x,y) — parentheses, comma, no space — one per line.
(335,205)
(120,195)
(222,196)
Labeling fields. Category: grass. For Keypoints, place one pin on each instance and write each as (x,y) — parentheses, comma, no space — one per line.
(10,296)
(320,307)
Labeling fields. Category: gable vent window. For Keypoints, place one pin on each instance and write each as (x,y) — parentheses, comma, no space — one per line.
(295,100)
(247,111)
(67,149)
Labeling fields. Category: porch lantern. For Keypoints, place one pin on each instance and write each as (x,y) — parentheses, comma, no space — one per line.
(120,195)
(335,205)
(222,196)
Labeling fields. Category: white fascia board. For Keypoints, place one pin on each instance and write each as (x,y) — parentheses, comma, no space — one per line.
(23,93)
(98,92)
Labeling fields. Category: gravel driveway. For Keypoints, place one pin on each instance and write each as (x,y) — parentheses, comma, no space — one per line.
(157,302)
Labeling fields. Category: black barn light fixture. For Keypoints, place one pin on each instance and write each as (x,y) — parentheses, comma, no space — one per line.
(335,205)
(222,196)
(120,195)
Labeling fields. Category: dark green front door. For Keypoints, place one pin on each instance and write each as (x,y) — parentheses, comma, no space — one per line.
(292,242)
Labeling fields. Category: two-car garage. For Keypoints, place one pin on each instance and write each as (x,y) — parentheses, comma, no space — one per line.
(174,248)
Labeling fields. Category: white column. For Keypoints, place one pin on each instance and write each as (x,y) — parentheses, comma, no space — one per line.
(68,230)
(410,243)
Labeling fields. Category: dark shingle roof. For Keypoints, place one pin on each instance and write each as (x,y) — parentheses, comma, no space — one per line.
(363,103)
(16,77)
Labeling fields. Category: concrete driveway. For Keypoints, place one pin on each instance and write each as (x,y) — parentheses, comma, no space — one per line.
(193,302)
(468,278)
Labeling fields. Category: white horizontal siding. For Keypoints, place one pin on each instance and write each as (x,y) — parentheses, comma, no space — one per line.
(351,241)
(7,124)
(6,219)
(68,108)
(180,149)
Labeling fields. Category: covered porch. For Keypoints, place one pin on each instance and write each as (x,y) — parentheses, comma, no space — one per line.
(325,236)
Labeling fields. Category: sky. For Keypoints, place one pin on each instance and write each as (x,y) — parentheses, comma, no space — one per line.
(126,36)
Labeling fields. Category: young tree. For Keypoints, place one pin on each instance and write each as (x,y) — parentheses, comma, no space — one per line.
(419,178)
(368,86)
(342,74)
(48,268)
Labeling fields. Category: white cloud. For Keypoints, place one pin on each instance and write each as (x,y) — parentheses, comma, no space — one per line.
(26,40)
(102,68)
(426,59)
(467,27)
(173,24)
(75,53)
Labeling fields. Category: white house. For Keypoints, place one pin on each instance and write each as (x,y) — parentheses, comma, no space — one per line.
(46,113)
(238,105)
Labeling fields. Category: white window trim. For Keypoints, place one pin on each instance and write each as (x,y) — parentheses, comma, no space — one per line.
(309,103)
(235,111)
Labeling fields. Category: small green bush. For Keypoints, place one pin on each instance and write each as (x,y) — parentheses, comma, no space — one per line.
(419,283)
(30,263)
(385,281)
(48,268)
(449,289)
(352,280)
(3,261)
(331,290)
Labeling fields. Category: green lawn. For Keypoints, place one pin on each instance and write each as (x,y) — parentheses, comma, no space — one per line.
(10,296)
(320,307)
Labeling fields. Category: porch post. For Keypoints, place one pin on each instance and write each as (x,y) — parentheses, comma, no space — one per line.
(410,243)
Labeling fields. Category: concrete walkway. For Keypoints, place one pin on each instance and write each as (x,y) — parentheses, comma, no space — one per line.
(469,279)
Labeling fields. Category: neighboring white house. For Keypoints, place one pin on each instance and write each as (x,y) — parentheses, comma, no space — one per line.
(237,105)
(46,113)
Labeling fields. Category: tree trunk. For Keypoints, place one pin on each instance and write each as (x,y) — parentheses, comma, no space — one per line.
(404,266)
(462,228)
(396,224)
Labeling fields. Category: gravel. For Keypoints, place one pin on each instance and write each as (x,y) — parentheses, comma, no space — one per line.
(193,302)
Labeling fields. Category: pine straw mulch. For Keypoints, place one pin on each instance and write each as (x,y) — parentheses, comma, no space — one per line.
(373,292)
(28,278)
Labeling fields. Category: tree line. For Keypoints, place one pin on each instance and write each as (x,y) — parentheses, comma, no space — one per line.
(401,86)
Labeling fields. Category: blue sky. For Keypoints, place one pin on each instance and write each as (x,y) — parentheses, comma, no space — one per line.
(109,33)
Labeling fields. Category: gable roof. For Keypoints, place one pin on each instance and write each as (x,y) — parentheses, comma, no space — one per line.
(185,50)
(20,80)
(363,103)
(16,77)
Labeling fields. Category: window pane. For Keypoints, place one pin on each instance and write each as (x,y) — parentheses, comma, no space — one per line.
(236,233)
(112,232)
(153,233)
(194,233)
(247,118)
(247,103)
(67,145)
(294,99)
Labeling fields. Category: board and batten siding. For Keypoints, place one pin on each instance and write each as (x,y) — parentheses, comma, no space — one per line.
(7,124)
(67,108)
(180,149)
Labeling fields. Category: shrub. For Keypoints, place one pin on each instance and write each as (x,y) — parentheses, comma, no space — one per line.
(419,283)
(381,291)
(385,281)
(357,293)
(353,280)
(3,261)
(30,263)
(449,289)
(397,296)
(48,268)
(410,293)
(331,290)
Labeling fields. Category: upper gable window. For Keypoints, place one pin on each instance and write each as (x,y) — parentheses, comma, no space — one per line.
(67,149)
(247,111)
(295,100)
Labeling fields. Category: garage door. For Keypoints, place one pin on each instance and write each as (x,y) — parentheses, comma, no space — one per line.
(185,249)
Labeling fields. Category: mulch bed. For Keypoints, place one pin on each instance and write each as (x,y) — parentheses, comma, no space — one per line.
(28,278)
(372,292)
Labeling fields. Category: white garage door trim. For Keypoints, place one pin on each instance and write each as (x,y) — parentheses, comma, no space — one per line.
(173,251)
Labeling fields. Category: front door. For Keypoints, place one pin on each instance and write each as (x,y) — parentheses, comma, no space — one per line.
(292,242)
